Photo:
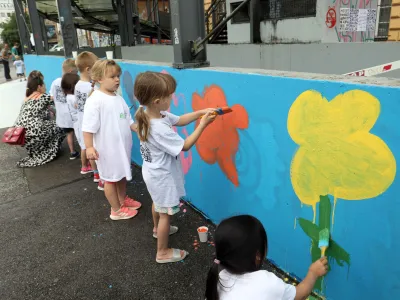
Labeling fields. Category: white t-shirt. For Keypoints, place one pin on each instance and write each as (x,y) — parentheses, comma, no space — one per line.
(82,91)
(63,116)
(109,119)
(19,65)
(162,169)
(71,102)
(259,285)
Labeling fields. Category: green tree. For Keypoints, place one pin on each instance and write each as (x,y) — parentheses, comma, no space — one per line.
(10,33)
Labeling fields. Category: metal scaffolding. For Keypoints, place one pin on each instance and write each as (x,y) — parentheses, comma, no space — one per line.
(180,21)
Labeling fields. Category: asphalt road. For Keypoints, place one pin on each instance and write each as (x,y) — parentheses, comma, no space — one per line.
(57,241)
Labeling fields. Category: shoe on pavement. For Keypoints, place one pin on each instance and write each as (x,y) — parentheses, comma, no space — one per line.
(74,155)
(96,177)
(123,213)
(86,170)
(100,187)
(132,204)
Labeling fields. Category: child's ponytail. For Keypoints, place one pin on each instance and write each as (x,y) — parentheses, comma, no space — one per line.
(143,123)
(212,282)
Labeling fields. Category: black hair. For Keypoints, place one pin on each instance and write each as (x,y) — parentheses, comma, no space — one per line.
(35,79)
(68,82)
(239,241)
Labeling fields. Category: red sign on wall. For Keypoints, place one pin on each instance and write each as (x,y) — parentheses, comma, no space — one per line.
(330,20)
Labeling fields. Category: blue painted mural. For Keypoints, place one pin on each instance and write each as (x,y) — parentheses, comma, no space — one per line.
(299,155)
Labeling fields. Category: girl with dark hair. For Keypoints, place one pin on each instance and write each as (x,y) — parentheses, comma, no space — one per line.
(241,245)
(42,138)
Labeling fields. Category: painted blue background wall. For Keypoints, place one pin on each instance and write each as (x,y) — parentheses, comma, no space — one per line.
(369,230)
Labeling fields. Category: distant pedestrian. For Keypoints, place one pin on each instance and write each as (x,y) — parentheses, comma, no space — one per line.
(20,68)
(15,51)
(5,57)
(241,246)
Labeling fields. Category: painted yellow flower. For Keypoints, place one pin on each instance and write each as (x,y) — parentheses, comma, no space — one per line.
(337,154)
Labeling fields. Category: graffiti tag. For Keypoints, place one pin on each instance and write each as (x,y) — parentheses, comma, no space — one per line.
(330,20)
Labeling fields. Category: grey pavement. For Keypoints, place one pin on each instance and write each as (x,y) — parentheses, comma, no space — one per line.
(57,241)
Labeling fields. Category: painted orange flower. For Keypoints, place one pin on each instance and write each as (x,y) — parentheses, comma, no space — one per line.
(220,141)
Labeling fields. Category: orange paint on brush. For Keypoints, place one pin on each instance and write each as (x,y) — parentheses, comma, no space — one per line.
(220,141)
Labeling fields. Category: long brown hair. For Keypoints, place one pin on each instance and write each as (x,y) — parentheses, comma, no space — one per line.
(68,82)
(150,86)
(35,79)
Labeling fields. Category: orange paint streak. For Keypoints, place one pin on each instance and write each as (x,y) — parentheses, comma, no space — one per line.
(220,141)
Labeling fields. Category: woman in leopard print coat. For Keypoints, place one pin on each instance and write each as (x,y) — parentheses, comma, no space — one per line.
(42,137)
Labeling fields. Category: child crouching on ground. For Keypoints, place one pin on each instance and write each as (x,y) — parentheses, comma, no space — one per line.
(106,127)
(241,245)
(160,146)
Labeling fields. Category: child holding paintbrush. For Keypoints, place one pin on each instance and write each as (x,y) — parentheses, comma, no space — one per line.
(160,146)
(241,245)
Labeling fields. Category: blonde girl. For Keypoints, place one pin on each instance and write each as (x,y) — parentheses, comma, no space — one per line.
(160,146)
(106,127)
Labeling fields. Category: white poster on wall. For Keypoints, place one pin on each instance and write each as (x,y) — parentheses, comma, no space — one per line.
(353,19)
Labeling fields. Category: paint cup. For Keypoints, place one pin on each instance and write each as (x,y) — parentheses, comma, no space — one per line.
(110,54)
(203,233)
(74,54)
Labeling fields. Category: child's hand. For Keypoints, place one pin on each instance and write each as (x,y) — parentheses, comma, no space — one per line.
(206,110)
(208,118)
(320,267)
(92,154)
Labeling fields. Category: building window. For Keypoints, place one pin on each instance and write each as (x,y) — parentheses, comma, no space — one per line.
(383,20)
(243,15)
(8,14)
(288,9)
(2,15)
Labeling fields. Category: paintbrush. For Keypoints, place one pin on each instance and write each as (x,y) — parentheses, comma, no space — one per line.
(221,111)
(323,243)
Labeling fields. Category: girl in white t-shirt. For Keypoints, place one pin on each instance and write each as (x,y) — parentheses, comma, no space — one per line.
(241,245)
(68,83)
(106,127)
(160,146)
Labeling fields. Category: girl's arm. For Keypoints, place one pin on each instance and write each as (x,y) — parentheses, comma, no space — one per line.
(134,127)
(317,270)
(193,116)
(208,118)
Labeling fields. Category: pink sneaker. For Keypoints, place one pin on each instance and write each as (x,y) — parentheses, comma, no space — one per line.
(96,177)
(122,214)
(100,187)
(132,204)
(86,170)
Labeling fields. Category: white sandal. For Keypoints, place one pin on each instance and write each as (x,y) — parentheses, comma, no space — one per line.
(172,230)
(176,256)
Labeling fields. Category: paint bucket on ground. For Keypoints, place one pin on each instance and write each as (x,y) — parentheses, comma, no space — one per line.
(203,233)
(74,54)
(110,54)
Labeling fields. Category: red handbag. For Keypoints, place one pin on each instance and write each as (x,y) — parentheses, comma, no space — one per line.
(14,136)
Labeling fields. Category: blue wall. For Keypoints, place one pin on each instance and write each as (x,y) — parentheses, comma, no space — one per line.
(367,230)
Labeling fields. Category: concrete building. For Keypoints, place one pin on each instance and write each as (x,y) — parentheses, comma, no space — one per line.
(312,21)
(6,9)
